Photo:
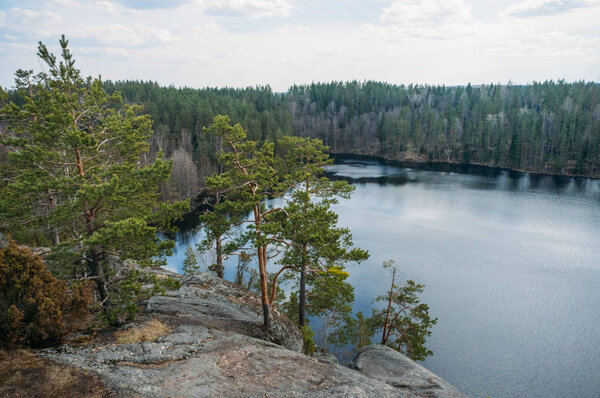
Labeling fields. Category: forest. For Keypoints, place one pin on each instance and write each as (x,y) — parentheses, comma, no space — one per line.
(550,127)
(89,198)
(97,174)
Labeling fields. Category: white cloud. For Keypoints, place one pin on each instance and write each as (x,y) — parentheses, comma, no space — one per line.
(287,29)
(533,8)
(121,35)
(554,44)
(432,19)
(414,13)
(196,43)
(248,8)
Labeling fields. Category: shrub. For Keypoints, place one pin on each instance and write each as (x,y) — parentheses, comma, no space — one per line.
(308,337)
(82,298)
(31,300)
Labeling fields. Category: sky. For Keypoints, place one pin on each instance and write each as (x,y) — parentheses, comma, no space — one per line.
(239,43)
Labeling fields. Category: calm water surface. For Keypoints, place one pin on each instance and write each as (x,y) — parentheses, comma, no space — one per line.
(510,263)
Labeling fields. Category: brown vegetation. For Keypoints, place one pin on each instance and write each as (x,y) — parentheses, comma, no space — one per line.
(25,374)
(31,300)
(148,331)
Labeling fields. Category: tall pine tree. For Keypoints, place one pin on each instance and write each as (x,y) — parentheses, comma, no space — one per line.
(73,177)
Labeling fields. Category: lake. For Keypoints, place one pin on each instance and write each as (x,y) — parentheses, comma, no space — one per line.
(511,267)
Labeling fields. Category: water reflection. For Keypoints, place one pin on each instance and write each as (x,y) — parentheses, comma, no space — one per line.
(510,263)
(472,177)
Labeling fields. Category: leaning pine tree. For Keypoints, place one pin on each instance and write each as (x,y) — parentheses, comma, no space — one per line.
(72,176)
(250,176)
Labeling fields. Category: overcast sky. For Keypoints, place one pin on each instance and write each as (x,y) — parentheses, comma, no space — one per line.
(199,43)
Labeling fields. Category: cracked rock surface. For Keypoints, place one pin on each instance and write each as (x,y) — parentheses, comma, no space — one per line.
(391,367)
(216,347)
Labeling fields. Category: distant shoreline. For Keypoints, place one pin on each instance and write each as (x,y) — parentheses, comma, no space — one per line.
(454,166)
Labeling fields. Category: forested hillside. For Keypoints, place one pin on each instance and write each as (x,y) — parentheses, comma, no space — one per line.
(544,127)
(550,127)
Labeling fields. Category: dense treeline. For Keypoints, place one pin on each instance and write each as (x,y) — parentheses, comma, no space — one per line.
(180,114)
(543,127)
(551,127)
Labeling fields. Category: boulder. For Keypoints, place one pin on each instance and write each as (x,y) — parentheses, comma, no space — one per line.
(323,355)
(391,367)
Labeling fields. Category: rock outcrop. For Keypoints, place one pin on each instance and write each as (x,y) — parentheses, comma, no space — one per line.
(391,367)
(216,303)
(215,346)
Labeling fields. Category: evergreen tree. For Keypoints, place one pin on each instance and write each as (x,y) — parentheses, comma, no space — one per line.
(405,322)
(313,241)
(356,330)
(221,222)
(190,262)
(249,172)
(73,177)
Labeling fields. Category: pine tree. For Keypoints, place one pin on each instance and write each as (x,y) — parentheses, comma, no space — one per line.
(405,322)
(73,175)
(190,262)
(249,172)
(313,241)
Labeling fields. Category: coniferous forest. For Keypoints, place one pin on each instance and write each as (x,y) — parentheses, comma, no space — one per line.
(549,127)
(244,198)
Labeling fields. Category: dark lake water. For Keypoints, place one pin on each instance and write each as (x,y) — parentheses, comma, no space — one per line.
(511,265)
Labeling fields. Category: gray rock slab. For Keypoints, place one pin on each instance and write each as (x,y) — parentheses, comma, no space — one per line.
(388,365)
(217,347)
(208,300)
(323,355)
(224,364)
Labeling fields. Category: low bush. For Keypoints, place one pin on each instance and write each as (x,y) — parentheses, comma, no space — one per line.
(31,300)
(308,338)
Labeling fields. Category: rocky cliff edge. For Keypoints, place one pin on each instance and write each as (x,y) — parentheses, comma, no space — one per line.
(214,345)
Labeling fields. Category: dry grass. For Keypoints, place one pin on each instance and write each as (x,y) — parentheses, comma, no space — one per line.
(148,331)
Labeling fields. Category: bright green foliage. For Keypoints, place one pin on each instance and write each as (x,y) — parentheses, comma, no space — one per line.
(190,262)
(330,299)
(313,241)
(405,322)
(74,179)
(32,301)
(308,335)
(331,296)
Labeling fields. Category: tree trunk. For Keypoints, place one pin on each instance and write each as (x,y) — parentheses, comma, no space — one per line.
(385,334)
(264,278)
(220,268)
(98,272)
(302,298)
